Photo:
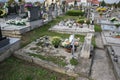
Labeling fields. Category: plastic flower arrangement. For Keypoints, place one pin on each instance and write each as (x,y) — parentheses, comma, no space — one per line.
(66,44)
(2,12)
(45,16)
(101,9)
(69,24)
(113,19)
(28,6)
(17,22)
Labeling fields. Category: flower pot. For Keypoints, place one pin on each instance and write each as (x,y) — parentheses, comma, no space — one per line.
(68,50)
(117,36)
(56,46)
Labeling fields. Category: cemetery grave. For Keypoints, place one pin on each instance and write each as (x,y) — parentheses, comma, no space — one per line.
(16,27)
(71,26)
(46,49)
(7,45)
(108,21)
(60,53)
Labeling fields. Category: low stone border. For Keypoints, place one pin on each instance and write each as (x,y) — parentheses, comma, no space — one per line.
(43,63)
(7,51)
(115,68)
(16,32)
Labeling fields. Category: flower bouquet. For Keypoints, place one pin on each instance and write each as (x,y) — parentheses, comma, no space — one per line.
(113,19)
(2,13)
(17,22)
(68,46)
(28,6)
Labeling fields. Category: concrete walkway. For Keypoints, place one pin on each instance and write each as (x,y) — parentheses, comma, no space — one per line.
(101,69)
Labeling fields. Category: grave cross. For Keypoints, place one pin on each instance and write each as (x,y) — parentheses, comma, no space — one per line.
(71,39)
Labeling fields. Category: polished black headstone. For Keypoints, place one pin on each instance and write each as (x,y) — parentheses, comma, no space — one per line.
(3,40)
(34,13)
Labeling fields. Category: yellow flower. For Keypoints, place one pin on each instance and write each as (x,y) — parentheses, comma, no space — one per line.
(3,12)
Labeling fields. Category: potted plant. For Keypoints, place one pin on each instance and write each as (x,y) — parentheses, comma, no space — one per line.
(56,41)
(80,21)
(67,45)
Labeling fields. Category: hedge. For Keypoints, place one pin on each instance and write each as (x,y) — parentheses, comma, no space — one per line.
(75,13)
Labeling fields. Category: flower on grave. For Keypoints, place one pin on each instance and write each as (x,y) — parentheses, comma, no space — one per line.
(2,12)
(16,22)
(69,24)
(28,6)
(67,44)
(100,9)
(117,25)
(45,16)
(113,19)
(56,41)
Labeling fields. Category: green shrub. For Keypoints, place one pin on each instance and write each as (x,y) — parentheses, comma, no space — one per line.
(75,13)
(73,61)
(81,21)
(87,22)
(56,40)
(117,25)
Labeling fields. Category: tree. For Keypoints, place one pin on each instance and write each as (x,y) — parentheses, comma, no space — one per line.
(115,5)
(118,4)
(103,3)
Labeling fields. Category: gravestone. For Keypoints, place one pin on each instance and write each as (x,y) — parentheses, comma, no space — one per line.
(21,9)
(33,14)
(13,8)
(3,40)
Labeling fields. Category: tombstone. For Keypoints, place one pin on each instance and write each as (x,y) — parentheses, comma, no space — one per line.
(13,9)
(50,13)
(3,40)
(33,14)
(21,9)
(56,10)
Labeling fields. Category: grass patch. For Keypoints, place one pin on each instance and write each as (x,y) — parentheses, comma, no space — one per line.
(15,69)
(93,42)
(60,60)
(74,61)
(97,28)
(43,30)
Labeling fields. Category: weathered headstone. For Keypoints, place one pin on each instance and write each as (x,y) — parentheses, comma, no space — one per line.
(3,40)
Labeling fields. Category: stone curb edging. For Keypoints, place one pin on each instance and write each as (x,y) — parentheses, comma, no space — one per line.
(44,64)
(114,67)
